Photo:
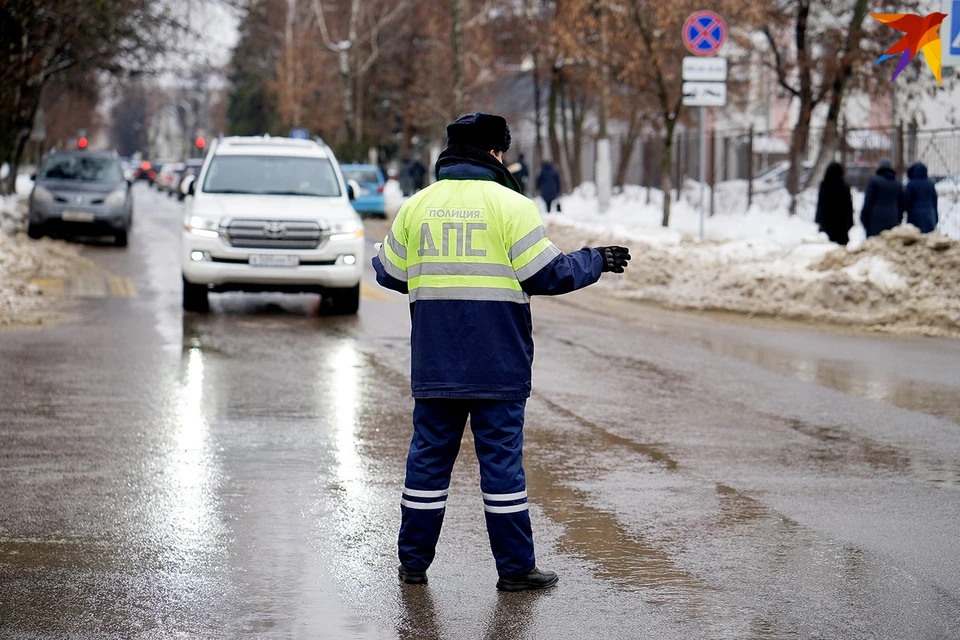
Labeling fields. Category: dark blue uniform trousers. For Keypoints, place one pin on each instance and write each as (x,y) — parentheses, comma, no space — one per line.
(438,426)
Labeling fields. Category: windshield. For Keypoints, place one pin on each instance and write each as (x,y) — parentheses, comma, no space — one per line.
(85,168)
(272,175)
(363,176)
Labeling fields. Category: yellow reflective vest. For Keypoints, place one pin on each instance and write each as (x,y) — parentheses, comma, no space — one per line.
(470,253)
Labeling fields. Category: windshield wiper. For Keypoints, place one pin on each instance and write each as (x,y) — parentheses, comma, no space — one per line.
(295,193)
(249,193)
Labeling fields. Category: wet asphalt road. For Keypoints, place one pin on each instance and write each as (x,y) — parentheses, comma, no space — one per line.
(238,474)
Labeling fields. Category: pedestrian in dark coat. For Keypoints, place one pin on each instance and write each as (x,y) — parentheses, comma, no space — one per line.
(882,202)
(548,184)
(920,199)
(834,205)
(417,174)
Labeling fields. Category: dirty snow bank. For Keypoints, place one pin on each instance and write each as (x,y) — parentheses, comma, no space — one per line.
(22,259)
(900,282)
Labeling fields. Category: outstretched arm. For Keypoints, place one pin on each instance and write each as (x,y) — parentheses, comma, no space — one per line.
(562,273)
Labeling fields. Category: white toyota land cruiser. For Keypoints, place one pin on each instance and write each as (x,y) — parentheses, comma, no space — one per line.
(271,214)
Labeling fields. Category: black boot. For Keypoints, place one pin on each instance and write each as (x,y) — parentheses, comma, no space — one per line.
(412,577)
(536,579)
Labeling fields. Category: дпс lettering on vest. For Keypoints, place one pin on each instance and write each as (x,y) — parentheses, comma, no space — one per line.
(463,233)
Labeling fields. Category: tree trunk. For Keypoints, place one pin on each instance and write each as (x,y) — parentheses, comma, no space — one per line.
(359,99)
(665,182)
(347,98)
(576,122)
(565,168)
(537,158)
(456,45)
(801,133)
(16,121)
(831,133)
(798,145)
(626,148)
(552,116)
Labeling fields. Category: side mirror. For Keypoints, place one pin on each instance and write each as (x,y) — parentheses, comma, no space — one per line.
(353,188)
(191,186)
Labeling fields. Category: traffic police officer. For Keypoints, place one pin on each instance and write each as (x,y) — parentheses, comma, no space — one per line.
(470,250)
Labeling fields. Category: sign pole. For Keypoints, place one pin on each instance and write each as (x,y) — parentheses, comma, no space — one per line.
(703,166)
(704,80)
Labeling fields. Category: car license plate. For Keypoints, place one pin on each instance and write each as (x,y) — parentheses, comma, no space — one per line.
(77,216)
(364,192)
(273,260)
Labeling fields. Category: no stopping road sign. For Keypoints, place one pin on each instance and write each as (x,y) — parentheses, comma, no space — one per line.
(704,32)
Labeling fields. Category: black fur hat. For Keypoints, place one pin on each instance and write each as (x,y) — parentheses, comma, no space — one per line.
(484,131)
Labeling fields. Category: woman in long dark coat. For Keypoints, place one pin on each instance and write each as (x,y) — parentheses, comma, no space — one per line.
(834,205)
(920,199)
(882,201)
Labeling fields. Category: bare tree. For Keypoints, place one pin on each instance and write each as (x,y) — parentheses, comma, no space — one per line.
(357,46)
(44,39)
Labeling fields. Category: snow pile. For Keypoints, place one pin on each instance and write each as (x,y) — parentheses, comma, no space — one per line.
(771,264)
(634,213)
(22,259)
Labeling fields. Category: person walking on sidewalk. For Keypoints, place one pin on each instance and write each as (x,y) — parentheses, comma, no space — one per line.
(548,184)
(834,205)
(882,204)
(920,199)
(470,250)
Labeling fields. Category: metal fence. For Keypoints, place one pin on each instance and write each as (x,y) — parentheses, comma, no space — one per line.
(748,168)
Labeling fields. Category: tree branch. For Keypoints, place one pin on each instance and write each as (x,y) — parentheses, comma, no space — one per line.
(780,66)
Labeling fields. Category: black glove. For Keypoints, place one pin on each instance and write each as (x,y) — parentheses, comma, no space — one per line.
(614,258)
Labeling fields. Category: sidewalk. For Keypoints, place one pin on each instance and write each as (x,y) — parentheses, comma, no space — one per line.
(771,264)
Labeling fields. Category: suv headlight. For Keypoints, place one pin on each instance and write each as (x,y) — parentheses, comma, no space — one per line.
(200,226)
(42,194)
(346,230)
(116,198)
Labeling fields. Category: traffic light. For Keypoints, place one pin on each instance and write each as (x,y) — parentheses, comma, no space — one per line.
(82,143)
(200,142)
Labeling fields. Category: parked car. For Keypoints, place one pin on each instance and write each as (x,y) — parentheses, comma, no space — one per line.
(272,214)
(81,193)
(191,169)
(169,177)
(370,179)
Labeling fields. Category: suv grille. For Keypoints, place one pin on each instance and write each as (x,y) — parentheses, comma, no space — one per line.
(274,234)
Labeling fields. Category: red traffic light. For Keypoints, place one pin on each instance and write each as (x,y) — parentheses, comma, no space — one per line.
(145,165)
(201,143)
(82,143)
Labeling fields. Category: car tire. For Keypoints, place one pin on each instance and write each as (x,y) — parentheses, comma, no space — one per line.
(34,231)
(195,297)
(341,302)
(120,238)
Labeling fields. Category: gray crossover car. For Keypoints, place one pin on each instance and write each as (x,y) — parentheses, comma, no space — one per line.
(80,193)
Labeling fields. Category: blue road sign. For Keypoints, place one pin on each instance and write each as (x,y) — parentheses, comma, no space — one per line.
(954,19)
(704,32)
(301,134)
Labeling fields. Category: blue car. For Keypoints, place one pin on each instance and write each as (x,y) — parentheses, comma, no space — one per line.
(370,199)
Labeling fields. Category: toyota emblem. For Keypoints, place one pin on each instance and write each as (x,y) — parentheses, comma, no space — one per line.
(274,230)
(78,200)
